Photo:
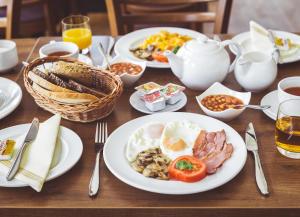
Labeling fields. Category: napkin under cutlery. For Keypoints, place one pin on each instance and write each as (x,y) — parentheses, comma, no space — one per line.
(37,158)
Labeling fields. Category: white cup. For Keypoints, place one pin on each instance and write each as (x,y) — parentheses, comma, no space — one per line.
(59,46)
(287,83)
(8,55)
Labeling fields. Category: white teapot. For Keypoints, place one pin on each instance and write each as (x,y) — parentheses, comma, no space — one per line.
(201,62)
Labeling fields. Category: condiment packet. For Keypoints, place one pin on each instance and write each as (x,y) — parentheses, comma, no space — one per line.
(170,90)
(154,101)
(152,97)
(6,149)
(148,88)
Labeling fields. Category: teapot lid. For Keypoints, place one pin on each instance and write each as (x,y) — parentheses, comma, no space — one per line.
(203,45)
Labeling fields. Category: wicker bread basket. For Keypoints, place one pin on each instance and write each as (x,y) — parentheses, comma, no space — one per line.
(77,112)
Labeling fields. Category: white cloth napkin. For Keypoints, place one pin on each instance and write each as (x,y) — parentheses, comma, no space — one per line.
(37,158)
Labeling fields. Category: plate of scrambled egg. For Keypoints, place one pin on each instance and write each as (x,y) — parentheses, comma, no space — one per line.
(150,43)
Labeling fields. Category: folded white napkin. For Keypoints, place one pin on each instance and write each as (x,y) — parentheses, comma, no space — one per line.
(37,158)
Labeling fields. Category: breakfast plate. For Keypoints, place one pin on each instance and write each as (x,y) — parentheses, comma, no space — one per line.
(67,153)
(137,103)
(117,163)
(243,39)
(10,96)
(133,39)
(272,100)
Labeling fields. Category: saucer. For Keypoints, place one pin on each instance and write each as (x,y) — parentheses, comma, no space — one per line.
(137,103)
(85,59)
(10,96)
(272,100)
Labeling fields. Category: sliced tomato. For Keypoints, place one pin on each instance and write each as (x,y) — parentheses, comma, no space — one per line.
(187,169)
(159,56)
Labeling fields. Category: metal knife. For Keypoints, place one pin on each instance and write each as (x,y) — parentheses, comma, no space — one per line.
(251,144)
(31,134)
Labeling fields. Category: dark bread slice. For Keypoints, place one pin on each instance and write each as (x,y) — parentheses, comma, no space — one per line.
(69,84)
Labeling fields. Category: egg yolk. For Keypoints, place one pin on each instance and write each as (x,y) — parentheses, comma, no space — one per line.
(176,146)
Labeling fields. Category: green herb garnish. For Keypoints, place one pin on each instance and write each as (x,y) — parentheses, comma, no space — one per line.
(175,50)
(184,165)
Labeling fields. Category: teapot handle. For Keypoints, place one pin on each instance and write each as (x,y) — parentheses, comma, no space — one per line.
(237,49)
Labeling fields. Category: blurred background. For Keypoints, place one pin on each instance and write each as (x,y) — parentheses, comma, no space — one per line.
(33,18)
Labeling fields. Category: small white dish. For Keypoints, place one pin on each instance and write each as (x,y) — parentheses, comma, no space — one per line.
(137,103)
(10,96)
(67,153)
(8,55)
(272,100)
(59,46)
(126,78)
(228,114)
(117,163)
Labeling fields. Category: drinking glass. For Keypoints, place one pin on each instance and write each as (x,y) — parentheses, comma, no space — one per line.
(77,29)
(287,130)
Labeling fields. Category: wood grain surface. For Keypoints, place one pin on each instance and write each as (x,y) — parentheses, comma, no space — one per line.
(68,194)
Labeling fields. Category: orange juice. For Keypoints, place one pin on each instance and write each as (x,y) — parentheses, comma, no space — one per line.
(80,36)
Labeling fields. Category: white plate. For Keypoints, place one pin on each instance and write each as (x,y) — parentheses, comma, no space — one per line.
(114,156)
(272,100)
(85,59)
(133,39)
(137,103)
(10,96)
(67,153)
(244,40)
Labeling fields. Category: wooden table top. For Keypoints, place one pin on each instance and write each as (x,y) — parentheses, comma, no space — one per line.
(240,196)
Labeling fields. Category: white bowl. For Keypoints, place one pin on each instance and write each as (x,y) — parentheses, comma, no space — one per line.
(228,114)
(128,79)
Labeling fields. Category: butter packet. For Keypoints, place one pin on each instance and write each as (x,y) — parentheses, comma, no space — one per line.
(6,149)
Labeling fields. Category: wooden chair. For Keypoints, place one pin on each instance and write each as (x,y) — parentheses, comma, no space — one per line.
(6,22)
(124,15)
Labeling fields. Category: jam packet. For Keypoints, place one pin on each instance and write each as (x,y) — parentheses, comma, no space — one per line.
(172,92)
(148,88)
(154,101)
(6,149)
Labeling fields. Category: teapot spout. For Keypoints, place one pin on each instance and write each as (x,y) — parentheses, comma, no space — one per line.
(175,62)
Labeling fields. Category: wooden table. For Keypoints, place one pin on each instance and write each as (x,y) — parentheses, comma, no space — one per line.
(68,194)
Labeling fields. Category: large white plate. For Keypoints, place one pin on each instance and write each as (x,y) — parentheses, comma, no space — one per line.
(272,100)
(137,103)
(67,153)
(244,40)
(10,96)
(133,39)
(114,155)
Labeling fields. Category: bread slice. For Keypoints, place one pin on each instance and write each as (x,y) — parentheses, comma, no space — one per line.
(65,97)
(46,84)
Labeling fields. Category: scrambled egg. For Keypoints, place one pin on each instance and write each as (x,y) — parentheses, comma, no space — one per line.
(165,40)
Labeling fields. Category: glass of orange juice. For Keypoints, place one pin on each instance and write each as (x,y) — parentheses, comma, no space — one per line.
(77,29)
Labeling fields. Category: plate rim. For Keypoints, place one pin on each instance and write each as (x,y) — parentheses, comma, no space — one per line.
(14,103)
(149,189)
(56,173)
(148,63)
(269,114)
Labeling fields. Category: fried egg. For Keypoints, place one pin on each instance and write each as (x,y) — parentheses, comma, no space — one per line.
(178,138)
(145,137)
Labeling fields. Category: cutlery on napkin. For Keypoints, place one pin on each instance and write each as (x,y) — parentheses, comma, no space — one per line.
(37,158)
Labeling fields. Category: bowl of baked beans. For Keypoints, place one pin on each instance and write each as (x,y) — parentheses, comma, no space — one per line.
(222,102)
(128,70)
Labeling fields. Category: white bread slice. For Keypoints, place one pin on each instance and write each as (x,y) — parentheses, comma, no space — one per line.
(46,84)
(66,98)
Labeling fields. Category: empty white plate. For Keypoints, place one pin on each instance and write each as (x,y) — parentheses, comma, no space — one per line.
(272,100)
(115,160)
(10,96)
(137,103)
(67,153)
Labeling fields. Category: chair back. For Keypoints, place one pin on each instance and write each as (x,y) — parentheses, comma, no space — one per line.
(12,13)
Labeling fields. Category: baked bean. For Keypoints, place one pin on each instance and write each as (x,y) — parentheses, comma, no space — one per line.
(220,102)
(129,68)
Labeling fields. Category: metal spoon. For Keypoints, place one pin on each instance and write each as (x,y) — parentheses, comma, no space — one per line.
(258,107)
(101,50)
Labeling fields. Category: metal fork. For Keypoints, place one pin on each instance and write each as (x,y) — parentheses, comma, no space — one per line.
(100,139)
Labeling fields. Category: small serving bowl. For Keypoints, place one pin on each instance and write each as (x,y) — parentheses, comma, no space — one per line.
(128,79)
(228,114)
